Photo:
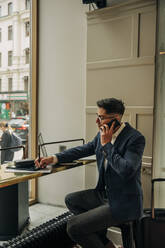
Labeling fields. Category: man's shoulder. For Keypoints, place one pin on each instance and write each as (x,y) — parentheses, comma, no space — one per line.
(132,129)
(132,132)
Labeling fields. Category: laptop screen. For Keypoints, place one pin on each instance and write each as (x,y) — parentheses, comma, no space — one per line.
(43,148)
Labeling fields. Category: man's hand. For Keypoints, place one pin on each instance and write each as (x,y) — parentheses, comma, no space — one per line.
(106,133)
(44,161)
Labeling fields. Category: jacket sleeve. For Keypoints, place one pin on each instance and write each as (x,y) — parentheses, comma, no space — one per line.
(77,152)
(127,165)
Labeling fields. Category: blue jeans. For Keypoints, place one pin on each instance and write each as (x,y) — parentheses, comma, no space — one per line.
(92,217)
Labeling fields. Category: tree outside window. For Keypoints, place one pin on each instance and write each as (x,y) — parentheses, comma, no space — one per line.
(10,32)
(10,58)
(10,84)
(10,8)
(27,28)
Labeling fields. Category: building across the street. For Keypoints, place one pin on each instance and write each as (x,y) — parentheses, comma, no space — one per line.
(14,57)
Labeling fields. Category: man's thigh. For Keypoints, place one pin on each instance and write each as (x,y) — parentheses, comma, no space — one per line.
(81,201)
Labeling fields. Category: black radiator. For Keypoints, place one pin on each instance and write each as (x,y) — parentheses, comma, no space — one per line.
(51,234)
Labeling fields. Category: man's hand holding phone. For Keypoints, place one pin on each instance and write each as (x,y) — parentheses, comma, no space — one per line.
(107,130)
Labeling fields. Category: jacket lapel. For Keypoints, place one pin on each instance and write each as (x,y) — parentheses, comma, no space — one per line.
(124,135)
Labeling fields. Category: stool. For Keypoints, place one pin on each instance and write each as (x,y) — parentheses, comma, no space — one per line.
(128,234)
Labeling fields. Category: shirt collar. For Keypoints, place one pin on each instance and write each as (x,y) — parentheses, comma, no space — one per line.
(116,134)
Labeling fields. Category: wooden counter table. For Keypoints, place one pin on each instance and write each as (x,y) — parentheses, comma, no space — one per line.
(14,203)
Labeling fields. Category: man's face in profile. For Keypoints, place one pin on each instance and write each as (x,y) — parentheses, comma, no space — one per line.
(103,118)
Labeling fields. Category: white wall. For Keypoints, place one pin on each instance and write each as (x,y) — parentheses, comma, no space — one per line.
(62,59)
(120,63)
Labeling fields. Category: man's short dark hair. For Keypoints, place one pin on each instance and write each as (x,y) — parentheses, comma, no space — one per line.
(112,105)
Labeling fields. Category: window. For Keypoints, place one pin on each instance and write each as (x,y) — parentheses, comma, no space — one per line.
(27,54)
(0,85)
(10,8)
(10,58)
(26,83)
(0,11)
(15,54)
(10,84)
(0,34)
(27,28)
(0,59)
(10,32)
(27,4)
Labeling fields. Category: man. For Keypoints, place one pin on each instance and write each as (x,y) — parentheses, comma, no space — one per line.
(117,197)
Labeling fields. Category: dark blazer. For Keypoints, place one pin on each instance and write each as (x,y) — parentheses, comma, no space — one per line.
(122,177)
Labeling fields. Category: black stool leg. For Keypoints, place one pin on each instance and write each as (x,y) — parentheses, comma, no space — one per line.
(127,235)
(137,234)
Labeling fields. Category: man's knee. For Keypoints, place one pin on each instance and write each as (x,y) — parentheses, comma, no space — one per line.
(68,200)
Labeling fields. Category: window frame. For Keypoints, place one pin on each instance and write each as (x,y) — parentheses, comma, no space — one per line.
(34,92)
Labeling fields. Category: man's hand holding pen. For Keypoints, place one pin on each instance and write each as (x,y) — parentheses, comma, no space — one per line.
(44,161)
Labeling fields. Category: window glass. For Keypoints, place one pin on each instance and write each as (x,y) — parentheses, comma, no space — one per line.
(10,84)
(15,76)
(15,92)
(10,8)
(27,54)
(26,83)
(0,59)
(0,34)
(27,4)
(27,28)
(10,58)
(10,32)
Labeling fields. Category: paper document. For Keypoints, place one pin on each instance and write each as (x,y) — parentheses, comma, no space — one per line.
(48,169)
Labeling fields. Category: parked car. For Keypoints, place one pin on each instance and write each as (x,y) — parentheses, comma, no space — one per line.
(20,126)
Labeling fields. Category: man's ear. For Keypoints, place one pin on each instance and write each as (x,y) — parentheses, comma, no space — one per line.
(119,117)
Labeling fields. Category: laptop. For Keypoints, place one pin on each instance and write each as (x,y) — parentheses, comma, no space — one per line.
(43,147)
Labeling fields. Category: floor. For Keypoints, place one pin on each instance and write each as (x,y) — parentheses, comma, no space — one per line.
(40,213)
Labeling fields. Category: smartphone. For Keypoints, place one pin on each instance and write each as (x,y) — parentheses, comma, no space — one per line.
(117,123)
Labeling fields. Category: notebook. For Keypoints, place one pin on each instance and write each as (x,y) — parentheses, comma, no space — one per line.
(26,165)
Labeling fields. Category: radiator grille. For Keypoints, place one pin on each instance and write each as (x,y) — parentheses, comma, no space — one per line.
(51,234)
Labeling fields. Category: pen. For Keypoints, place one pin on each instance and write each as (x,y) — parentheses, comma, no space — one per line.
(39,155)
